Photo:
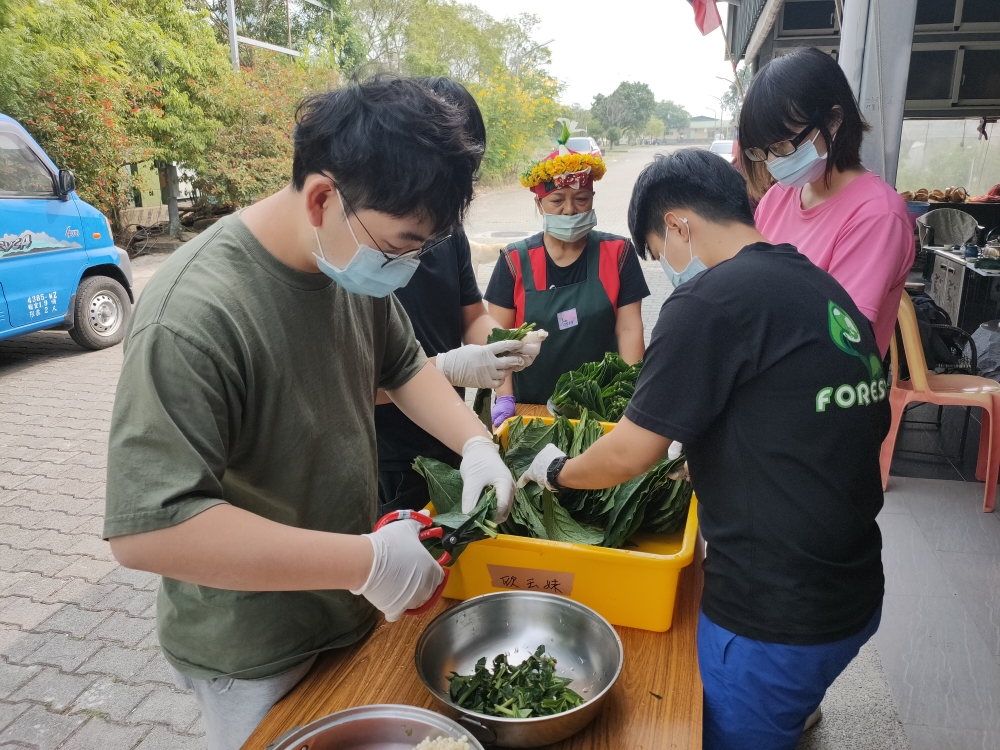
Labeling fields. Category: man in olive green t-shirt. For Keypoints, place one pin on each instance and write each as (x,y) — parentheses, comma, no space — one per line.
(242,461)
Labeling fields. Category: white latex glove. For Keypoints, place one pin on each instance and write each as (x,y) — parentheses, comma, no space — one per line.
(675,450)
(480,366)
(532,346)
(540,466)
(403,574)
(482,466)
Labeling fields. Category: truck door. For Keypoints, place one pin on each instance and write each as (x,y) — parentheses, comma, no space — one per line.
(42,251)
(4,318)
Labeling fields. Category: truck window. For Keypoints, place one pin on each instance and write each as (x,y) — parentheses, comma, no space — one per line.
(22,174)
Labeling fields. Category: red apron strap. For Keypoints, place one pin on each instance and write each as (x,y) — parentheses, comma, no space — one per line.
(514,264)
(612,252)
(537,255)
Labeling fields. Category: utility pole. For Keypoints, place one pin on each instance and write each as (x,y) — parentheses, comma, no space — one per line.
(288,21)
(234,50)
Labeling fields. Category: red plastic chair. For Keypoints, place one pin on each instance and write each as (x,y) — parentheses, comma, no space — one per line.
(944,390)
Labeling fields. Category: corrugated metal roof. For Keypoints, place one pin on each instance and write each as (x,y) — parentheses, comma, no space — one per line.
(747,14)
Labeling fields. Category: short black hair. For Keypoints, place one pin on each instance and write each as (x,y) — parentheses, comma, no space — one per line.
(691,178)
(799,91)
(392,145)
(455,93)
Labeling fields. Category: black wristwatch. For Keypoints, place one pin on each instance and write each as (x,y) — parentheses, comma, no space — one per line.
(552,473)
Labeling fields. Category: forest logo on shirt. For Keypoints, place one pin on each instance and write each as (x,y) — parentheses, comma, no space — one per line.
(847,337)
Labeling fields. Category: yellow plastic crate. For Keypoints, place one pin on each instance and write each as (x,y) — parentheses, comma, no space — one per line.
(633,587)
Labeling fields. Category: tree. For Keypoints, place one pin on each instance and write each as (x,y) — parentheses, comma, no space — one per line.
(731,99)
(654,127)
(674,116)
(639,102)
(627,108)
(614,136)
(312,29)
(610,111)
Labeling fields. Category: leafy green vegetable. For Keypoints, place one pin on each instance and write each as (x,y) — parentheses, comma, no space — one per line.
(560,526)
(656,501)
(529,689)
(603,388)
(444,484)
(481,404)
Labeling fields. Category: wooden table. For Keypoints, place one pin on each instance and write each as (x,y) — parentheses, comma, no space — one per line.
(656,703)
(531,410)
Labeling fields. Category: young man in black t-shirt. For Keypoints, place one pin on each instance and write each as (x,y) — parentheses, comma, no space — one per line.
(763,367)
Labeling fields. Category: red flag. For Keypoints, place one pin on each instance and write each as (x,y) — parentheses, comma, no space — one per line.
(706,15)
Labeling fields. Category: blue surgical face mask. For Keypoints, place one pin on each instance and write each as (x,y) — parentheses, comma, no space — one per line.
(801,167)
(367,273)
(569,228)
(692,269)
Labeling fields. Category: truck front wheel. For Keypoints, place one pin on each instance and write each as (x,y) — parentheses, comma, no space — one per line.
(102,313)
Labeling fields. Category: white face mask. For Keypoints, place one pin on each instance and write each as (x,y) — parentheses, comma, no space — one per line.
(569,228)
(801,167)
(692,269)
(367,272)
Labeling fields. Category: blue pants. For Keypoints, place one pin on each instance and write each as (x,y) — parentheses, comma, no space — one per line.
(758,695)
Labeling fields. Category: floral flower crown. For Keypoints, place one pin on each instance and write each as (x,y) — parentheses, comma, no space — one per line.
(564,168)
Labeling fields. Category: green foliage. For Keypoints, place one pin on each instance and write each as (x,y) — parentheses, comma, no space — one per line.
(101,84)
(674,116)
(318,33)
(628,108)
(614,136)
(655,501)
(601,388)
(731,101)
(654,127)
(252,152)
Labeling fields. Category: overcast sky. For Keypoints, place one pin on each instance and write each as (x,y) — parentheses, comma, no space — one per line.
(600,44)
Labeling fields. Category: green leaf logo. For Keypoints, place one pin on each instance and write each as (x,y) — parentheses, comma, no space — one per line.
(846,335)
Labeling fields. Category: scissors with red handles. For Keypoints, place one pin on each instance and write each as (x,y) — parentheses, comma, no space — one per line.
(450,540)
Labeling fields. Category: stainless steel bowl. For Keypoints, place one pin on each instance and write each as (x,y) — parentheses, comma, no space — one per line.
(386,727)
(586,648)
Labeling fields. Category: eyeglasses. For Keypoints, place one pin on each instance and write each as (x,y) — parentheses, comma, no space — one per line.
(779,149)
(423,249)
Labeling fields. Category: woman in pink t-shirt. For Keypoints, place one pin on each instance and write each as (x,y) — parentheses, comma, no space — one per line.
(800,125)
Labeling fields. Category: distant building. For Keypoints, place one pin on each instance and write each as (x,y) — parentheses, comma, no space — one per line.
(701,129)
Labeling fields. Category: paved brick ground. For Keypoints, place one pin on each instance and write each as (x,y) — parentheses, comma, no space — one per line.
(80,668)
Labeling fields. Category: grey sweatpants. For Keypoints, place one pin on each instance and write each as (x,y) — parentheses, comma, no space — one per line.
(232,709)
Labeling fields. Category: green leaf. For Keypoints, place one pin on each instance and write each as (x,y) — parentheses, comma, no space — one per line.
(524,444)
(444,484)
(561,527)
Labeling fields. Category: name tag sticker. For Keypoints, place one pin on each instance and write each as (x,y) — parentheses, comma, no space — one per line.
(531,579)
(567,319)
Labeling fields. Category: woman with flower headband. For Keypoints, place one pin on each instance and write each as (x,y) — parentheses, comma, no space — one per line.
(582,286)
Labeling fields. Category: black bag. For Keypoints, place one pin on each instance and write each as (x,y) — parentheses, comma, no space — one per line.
(942,348)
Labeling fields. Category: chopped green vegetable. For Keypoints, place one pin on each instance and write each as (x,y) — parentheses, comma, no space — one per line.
(481,405)
(529,689)
(603,388)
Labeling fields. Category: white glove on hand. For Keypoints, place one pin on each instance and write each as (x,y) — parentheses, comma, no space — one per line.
(532,346)
(403,574)
(482,466)
(539,468)
(475,366)
(675,450)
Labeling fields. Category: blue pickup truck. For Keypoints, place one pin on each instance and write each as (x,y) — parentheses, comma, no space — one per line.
(59,266)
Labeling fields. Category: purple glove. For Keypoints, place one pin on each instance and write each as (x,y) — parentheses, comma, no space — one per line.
(503,409)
